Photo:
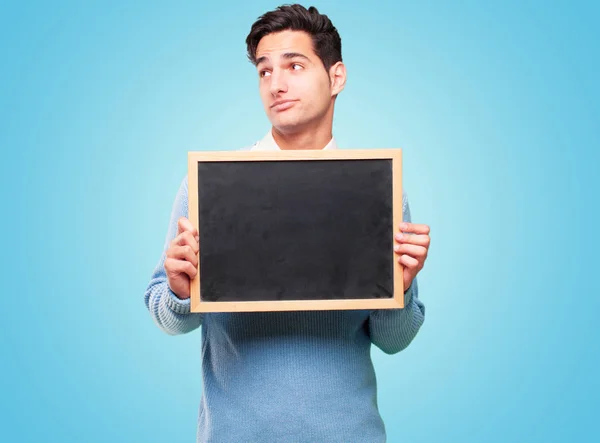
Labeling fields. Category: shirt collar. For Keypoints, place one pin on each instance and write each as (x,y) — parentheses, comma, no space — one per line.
(268,143)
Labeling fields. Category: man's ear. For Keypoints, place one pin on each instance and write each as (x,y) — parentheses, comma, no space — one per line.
(337,77)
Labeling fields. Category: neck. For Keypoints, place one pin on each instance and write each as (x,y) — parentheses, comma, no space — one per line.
(314,138)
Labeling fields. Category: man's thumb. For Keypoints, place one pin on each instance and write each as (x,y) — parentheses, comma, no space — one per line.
(183,224)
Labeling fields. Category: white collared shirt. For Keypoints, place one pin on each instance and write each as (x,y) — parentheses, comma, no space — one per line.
(268,143)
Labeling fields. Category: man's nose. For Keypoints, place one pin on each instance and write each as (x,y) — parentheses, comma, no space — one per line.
(278,82)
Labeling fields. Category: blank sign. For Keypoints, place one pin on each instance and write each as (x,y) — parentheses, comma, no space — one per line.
(296,230)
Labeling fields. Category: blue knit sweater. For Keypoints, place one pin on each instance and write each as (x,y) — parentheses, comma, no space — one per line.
(286,376)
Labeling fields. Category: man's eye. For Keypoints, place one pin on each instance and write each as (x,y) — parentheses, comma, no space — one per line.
(296,66)
(264,73)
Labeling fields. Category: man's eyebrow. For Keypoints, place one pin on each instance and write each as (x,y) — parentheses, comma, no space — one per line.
(287,55)
(262,59)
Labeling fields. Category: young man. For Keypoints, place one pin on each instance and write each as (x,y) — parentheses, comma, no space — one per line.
(289,376)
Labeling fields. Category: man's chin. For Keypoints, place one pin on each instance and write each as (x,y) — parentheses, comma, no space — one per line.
(284,126)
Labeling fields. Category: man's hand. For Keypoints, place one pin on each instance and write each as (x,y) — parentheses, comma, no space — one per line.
(412,247)
(181,263)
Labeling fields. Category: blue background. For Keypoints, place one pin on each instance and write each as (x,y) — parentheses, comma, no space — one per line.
(496,109)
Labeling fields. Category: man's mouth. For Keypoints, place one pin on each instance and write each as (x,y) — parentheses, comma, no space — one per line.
(282,105)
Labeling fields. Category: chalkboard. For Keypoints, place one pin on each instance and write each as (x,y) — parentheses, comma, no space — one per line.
(296,230)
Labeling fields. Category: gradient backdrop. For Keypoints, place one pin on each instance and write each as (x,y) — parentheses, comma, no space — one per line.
(496,108)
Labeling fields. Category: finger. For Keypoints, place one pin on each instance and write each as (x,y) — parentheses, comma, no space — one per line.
(183,225)
(414,228)
(409,262)
(174,266)
(418,252)
(413,239)
(183,253)
(186,238)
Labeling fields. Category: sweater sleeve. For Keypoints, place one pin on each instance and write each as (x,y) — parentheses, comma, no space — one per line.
(169,312)
(392,330)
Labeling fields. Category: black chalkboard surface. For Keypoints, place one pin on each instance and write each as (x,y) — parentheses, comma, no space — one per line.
(296,230)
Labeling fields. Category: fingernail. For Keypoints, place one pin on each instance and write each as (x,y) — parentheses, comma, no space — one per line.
(397,248)
(398,236)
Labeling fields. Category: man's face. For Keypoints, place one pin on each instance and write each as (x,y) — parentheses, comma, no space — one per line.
(294,86)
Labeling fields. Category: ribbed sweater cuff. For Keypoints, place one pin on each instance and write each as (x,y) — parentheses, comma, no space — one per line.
(176,304)
(408,295)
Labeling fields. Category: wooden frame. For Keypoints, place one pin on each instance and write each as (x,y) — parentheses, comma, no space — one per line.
(395,155)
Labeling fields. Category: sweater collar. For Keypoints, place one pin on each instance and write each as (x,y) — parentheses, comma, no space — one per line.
(268,143)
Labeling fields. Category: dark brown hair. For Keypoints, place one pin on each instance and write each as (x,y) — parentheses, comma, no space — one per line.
(327,43)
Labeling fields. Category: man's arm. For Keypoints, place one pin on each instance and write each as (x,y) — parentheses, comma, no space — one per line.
(171,313)
(392,330)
